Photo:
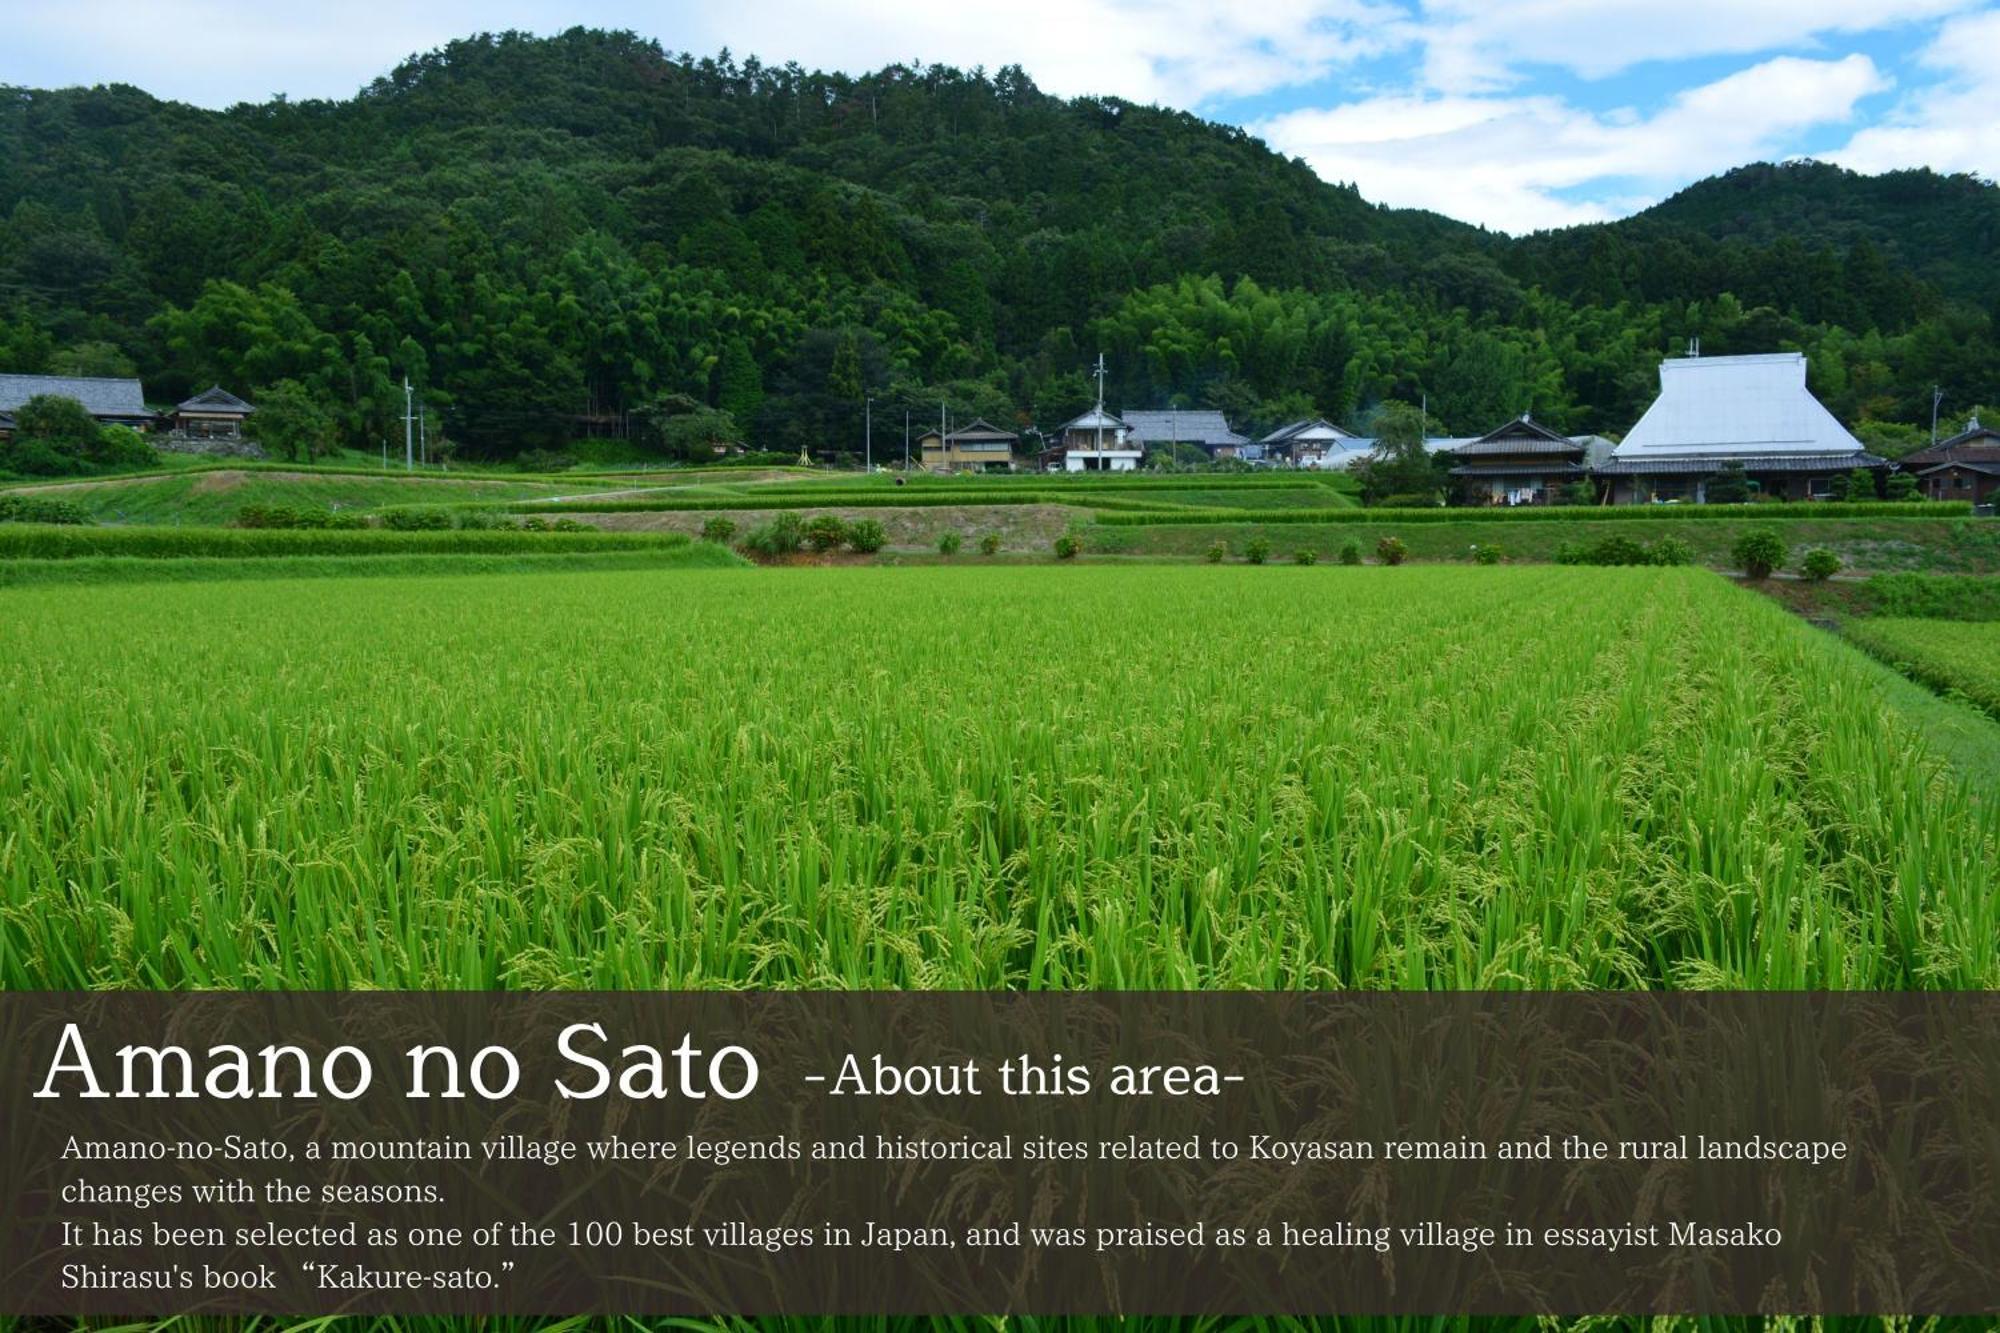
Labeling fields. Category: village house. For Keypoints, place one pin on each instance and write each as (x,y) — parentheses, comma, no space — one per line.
(1307,443)
(1752,412)
(1524,463)
(213,414)
(1206,430)
(978,447)
(1097,441)
(1965,467)
(113,402)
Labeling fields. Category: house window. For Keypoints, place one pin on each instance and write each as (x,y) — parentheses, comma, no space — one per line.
(1819,488)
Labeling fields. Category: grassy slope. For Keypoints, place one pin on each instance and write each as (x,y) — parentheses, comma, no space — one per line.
(213,497)
(1883,544)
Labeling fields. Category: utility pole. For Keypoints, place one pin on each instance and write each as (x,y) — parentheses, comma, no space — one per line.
(868,435)
(1937,397)
(409,430)
(1100,409)
(906,439)
(423,437)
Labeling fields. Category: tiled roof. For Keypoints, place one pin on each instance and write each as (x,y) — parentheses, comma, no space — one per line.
(1556,469)
(1318,427)
(100,397)
(1520,436)
(1974,444)
(1184,427)
(1709,464)
(215,398)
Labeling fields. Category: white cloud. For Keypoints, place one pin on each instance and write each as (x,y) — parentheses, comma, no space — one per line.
(1505,161)
(1950,124)
(1482,45)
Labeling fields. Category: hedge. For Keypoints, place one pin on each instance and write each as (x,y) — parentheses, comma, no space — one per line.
(1933,596)
(36,542)
(1555,513)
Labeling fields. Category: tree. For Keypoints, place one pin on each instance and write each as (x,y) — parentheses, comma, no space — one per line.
(1402,465)
(739,382)
(291,422)
(1729,487)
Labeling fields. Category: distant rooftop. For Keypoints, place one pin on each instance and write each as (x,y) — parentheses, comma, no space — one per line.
(1185,426)
(100,397)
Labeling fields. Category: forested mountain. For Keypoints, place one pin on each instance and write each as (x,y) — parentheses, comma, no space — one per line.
(586,234)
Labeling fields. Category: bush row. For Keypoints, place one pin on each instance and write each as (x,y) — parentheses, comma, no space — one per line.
(1555,513)
(1618,549)
(42,509)
(52,543)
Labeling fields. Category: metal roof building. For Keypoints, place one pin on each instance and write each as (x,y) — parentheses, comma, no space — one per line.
(1753,412)
(1202,427)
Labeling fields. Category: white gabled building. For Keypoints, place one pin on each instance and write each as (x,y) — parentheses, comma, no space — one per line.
(1097,441)
(1713,412)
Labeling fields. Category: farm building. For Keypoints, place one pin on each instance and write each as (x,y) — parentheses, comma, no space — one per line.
(1754,412)
(979,447)
(114,402)
(1205,429)
(213,414)
(1097,441)
(1523,462)
(1964,467)
(1307,443)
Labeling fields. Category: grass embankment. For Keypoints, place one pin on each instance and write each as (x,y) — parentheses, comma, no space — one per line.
(29,541)
(1964,545)
(807,778)
(216,496)
(1959,658)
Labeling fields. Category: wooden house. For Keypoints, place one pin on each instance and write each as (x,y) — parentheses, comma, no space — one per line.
(1520,463)
(1207,430)
(213,414)
(979,447)
(1964,467)
(1307,443)
(1097,441)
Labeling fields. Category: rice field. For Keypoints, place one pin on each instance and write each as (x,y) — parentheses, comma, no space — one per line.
(984,777)
(1958,657)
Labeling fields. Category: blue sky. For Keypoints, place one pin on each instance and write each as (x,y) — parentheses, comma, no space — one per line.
(1515,114)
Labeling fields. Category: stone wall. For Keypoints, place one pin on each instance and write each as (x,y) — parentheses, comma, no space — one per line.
(174,442)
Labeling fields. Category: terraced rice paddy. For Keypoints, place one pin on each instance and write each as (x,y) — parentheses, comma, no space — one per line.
(1956,657)
(993,777)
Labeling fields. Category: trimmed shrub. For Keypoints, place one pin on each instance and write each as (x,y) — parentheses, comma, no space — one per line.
(866,536)
(1489,554)
(1670,551)
(714,528)
(1305,555)
(1820,564)
(826,532)
(990,544)
(1067,546)
(1217,553)
(949,543)
(1257,550)
(1350,553)
(782,536)
(1759,552)
(1391,551)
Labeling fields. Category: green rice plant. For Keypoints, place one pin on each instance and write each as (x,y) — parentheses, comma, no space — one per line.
(716,778)
(1956,657)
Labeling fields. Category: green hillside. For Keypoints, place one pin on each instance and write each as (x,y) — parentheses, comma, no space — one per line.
(587,234)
